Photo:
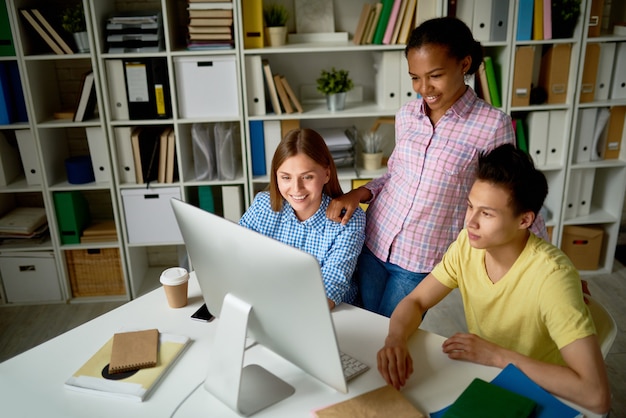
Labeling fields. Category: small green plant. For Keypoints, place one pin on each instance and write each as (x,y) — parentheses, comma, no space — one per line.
(275,15)
(334,81)
(73,19)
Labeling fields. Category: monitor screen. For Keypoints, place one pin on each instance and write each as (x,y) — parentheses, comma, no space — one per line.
(264,289)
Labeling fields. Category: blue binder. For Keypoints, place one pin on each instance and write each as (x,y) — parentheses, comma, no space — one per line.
(525,20)
(257,148)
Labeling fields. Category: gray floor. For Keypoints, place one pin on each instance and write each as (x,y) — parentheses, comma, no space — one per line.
(23,327)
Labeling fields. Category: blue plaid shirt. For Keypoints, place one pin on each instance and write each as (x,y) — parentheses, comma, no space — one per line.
(336,247)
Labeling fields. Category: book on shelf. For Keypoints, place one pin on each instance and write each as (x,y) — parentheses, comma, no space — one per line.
(41,31)
(381,25)
(372,23)
(282,94)
(86,104)
(360,27)
(269,80)
(398,25)
(23,220)
(163,154)
(492,82)
(385,401)
(134,350)
(392,22)
(99,231)
(52,31)
(199,21)
(483,85)
(291,94)
(211,13)
(210,29)
(407,22)
(210,36)
(204,5)
(145,144)
(171,165)
(94,376)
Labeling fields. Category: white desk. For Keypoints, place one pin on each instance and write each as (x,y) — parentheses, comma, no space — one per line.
(31,384)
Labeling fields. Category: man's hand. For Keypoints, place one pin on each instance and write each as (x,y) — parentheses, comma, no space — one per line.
(395,363)
(470,347)
(341,208)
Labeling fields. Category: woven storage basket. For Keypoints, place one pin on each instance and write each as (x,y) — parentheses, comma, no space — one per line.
(95,272)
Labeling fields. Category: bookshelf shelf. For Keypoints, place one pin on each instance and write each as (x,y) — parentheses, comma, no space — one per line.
(55,140)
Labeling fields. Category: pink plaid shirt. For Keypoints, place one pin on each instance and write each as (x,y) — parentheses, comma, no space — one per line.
(418,207)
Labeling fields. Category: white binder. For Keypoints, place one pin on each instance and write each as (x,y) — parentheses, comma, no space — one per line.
(556,138)
(426,9)
(573,191)
(232,202)
(254,85)
(118,102)
(538,136)
(124,152)
(99,155)
(465,11)
(584,134)
(587,176)
(407,93)
(387,67)
(481,23)
(271,136)
(499,20)
(618,85)
(605,70)
(28,154)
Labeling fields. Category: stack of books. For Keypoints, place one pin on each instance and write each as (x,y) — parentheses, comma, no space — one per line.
(23,222)
(210,25)
(135,32)
(340,143)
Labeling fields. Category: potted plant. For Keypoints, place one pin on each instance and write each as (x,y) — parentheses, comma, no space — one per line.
(73,21)
(335,84)
(565,15)
(275,16)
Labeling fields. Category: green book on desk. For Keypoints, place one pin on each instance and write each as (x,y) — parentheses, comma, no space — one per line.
(486,400)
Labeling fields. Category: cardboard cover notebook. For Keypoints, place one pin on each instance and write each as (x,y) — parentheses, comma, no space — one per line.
(94,376)
(378,403)
(134,350)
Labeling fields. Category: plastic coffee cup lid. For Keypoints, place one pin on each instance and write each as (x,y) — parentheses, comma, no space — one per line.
(174,276)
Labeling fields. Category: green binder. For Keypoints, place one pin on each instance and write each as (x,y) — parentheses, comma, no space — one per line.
(7,48)
(486,400)
(72,210)
(206,200)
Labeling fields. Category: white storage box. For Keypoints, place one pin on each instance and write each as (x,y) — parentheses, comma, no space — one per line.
(206,86)
(30,277)
(149,215)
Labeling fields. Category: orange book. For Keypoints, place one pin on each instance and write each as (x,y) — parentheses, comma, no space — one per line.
(291,94)
(282,94)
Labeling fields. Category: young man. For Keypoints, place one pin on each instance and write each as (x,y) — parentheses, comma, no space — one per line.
(521,295)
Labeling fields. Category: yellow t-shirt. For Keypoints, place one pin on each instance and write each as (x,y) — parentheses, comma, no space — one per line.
(535,309)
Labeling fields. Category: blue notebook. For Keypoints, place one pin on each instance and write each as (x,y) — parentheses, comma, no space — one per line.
(515,380)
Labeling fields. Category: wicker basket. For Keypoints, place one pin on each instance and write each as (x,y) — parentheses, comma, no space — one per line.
(95,272)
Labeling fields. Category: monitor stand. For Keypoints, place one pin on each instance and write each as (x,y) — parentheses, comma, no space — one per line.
(246,390)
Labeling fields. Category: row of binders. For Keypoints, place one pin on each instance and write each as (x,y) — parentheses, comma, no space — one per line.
(146,154)
(546,67)
(604,73)
(266,135)
(259,77)
(487,19)
(600,133)
(210,25)
(542,136)
(138,88)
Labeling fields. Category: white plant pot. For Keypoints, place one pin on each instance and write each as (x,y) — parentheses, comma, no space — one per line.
(336,101)
(82,41)
(372,162)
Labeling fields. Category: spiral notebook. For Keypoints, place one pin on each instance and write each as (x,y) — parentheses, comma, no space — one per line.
(134,350)
(94,376)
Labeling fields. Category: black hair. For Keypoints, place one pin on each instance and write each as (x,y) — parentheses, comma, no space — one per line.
(451,33)
(514,170)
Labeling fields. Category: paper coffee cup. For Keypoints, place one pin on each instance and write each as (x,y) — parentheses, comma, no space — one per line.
(175,281)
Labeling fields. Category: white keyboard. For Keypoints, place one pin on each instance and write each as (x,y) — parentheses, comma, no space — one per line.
(352,367)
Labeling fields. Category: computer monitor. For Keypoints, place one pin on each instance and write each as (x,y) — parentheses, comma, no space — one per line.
(265,289)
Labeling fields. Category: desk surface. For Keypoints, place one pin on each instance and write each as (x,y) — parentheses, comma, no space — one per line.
(31,384)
